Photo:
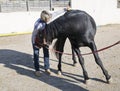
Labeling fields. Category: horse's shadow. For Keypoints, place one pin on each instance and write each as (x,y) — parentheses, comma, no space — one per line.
(22,63)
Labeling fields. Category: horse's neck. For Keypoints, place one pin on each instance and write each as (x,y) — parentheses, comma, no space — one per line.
(53,29)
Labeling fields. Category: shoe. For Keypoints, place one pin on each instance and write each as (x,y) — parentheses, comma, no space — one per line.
(48,71)
(37,73)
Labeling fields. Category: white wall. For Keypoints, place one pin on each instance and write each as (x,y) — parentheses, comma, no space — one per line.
(17,21)
(103,11)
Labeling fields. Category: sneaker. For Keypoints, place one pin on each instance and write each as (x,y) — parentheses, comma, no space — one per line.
(37,73)
(48,71)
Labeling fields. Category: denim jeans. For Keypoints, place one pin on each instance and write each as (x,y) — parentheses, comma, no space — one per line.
(36,57)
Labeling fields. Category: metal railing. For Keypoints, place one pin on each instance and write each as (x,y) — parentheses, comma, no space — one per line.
(31,5)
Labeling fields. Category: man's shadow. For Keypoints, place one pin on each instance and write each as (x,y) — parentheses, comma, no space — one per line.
(22,63)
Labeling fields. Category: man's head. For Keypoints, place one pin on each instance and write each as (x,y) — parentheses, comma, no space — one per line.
(45,15)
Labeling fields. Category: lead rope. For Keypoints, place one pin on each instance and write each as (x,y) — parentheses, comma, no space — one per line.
(89,52)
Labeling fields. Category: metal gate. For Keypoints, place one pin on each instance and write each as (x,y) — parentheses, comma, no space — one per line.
(32,5)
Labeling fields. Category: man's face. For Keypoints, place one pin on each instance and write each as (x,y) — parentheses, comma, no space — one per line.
(48,19)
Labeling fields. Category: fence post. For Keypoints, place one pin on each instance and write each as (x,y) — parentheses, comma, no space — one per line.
(50,4)
(27,5)
(69,3)
(0,8)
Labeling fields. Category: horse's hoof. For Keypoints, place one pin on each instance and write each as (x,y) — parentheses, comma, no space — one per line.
(109,81)
(87,81)
(59,73)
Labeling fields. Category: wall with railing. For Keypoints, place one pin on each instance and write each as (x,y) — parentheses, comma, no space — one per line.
(32,5)
(19,16)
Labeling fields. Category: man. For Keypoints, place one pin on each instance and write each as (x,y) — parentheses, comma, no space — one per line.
(40,26)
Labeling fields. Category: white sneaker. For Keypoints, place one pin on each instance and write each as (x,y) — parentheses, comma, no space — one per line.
(37,73)
(48,71)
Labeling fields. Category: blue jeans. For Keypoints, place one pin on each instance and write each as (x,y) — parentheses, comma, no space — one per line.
(36,58)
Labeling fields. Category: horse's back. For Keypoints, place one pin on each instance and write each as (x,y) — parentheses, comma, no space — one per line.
(79,19)
(80,26)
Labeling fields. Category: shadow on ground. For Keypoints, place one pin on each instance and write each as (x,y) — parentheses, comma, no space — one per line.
(22,63)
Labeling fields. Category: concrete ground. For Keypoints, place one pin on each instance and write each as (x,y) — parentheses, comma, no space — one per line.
(17,71)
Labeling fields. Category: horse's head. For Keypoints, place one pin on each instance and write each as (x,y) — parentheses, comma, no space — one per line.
(42,39)
(48,38)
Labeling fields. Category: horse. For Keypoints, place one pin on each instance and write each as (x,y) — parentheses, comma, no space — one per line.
(80,28)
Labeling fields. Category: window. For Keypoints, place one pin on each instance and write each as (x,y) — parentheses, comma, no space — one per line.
(118,3)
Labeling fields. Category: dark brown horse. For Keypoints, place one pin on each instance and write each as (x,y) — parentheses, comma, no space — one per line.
(80,28)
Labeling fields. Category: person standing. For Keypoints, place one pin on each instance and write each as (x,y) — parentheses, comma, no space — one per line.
(39,25)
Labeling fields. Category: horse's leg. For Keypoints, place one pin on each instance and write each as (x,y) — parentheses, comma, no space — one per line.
(98,60)
(73,57)
(81,61)
(59,47)
(59,64)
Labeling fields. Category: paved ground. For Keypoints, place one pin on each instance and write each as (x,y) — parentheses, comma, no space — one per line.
(17,72)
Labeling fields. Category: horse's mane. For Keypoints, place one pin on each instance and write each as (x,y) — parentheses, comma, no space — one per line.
(54,28)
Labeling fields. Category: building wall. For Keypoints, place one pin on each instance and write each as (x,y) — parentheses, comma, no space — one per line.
(17,22)
(103,11)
